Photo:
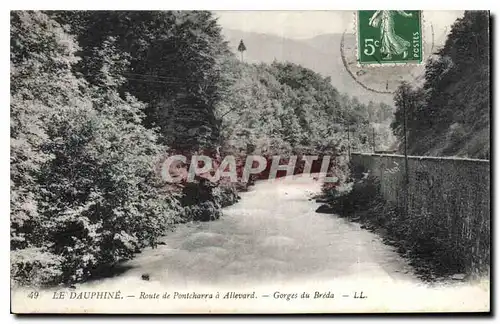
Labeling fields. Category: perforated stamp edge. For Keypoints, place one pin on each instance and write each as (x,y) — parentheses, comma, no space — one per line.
(423,23)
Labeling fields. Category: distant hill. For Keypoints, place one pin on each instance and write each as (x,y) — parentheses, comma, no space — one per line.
(321,54)
(326,42)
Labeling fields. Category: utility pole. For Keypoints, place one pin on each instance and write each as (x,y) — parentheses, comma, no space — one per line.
(373,130)
(405,141)
(348,143)
(241,48)
(407,180)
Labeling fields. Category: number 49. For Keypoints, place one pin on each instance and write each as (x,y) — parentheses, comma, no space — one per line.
(370,45)
(33,295)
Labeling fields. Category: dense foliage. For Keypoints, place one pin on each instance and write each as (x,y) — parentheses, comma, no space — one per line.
(84,192)
(450,113)
(175,66)
(285,108)
(98,99)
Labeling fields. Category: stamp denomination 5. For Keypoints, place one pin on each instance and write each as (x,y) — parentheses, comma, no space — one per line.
(389,36)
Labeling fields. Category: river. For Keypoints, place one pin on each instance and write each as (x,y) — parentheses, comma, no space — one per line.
(272,241)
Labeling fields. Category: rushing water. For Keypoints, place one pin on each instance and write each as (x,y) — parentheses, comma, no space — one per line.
(272,234)
(273,240)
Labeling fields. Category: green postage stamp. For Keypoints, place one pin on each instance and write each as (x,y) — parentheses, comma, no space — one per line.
(389,36)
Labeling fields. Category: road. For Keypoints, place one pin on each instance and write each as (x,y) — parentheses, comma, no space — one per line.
(274,241)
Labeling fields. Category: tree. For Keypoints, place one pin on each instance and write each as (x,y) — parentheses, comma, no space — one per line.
(241,48)
(175,67)
(449,114)
(284,108)
(84,192)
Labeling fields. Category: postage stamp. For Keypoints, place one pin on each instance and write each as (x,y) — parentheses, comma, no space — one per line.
(389,36)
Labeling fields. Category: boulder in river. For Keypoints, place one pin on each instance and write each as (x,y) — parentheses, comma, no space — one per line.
(325,209)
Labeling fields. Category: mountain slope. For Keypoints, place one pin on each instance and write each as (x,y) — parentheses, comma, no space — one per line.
(321,54)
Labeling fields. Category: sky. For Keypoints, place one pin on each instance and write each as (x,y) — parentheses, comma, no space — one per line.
(307,24)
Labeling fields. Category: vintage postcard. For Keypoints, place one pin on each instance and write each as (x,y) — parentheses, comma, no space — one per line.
(250,162)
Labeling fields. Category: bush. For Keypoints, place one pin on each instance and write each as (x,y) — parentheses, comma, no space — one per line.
(202,200)
(204,212)
(35,266)
(226,195)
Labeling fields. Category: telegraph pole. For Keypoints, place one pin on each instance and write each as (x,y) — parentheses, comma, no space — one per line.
(405,141)
(373,130)
(348,142)
(241,49)
(407,180)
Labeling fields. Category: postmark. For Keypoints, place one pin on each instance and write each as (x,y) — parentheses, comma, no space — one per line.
(384,78)
(389,37)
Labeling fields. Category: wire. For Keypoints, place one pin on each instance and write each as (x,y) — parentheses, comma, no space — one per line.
(155,81)
(144,80)
(157,76)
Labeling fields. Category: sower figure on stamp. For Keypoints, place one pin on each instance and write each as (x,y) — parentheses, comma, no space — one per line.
(391,43)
